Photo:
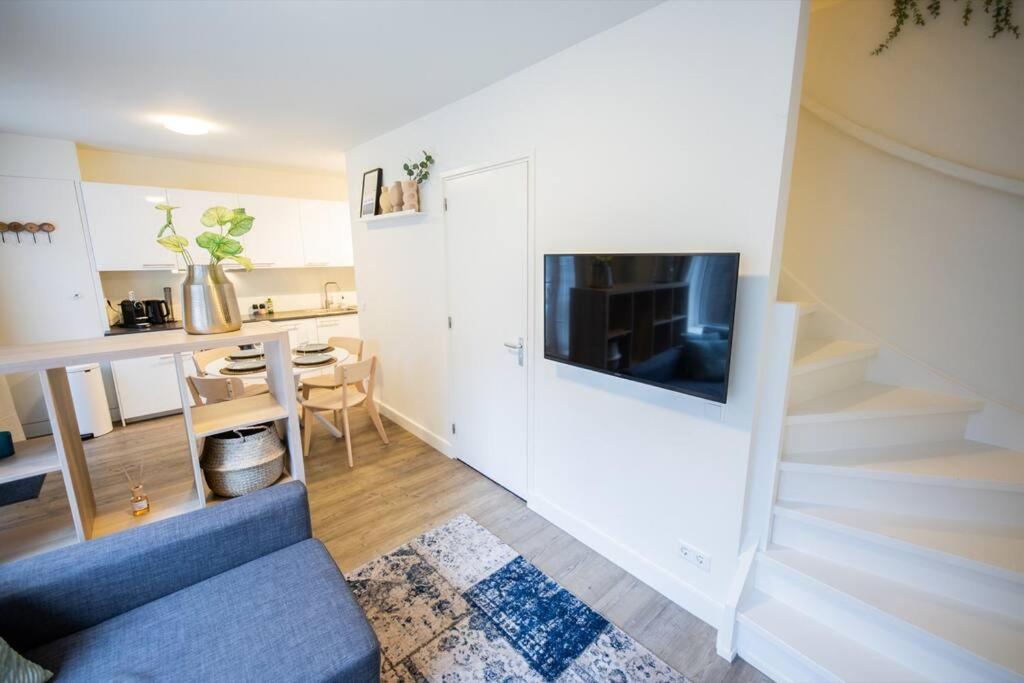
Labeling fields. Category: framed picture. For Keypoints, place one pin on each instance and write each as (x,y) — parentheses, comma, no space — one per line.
(369,204)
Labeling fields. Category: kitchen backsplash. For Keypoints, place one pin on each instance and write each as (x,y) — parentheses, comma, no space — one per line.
(290,288)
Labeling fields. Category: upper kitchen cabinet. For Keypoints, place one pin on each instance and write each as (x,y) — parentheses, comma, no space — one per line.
(191,206)
(123,225)
(326,233)
(275,240)
(287,233)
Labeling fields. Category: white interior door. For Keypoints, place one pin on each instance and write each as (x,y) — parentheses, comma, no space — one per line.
(487,232)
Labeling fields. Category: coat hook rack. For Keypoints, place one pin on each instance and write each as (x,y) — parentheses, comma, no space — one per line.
(32,228)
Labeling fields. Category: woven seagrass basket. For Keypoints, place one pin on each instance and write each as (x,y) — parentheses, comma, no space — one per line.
(243,460)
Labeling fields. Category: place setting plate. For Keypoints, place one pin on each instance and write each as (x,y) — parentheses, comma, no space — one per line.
(246,354)
(313,347)
(244,367)
(313,359)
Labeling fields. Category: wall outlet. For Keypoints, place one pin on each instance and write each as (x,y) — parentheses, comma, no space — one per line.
(698,558)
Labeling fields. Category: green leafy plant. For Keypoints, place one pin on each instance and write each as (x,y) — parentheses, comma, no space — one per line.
(419,171)
(1001,12)
(230,223)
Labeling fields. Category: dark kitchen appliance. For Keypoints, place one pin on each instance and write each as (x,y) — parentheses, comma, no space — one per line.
(157,311)
(661,319)
(170,304)
(133,314)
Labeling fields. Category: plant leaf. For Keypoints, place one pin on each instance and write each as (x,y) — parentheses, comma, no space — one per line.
(244,260)
(165,207)
(175,243)
(216,215)
(208,240)
(240,223)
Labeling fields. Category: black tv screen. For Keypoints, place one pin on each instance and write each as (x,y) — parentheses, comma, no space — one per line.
(661,319)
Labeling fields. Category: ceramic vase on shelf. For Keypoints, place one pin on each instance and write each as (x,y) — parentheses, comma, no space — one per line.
(209,302)
(385,201)
(410,195)
(395,193)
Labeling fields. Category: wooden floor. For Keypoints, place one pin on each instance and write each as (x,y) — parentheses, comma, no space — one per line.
(395,493)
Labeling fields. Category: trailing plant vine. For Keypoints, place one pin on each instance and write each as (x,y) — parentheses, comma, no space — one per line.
(902,11)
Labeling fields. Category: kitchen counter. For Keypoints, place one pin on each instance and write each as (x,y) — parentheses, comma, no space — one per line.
(304,313)
(280,316)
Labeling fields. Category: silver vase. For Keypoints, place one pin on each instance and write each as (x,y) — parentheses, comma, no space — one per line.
(210,304)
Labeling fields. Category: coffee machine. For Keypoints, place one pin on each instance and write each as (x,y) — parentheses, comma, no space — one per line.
(133,313)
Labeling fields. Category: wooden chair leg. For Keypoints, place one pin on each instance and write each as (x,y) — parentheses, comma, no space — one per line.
(371,408)
(307,431)
(348,436)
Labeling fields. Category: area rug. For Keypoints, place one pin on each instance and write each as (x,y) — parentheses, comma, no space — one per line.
(457,604)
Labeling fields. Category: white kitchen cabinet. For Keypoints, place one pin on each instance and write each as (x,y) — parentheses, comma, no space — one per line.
(337,326)
(326,233)
(123,226)
(275,240)
(299,331)
(191,206)
(288,232)
(147,386)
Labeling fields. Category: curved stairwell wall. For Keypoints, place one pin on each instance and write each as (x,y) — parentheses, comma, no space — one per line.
(931,264)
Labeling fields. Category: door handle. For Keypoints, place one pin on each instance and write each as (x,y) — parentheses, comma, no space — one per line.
(518,348)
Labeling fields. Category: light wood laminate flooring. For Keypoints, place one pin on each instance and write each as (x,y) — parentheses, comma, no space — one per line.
(393,494)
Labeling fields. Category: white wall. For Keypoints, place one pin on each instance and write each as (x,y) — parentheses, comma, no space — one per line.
(666,133)
(928,263)
(47,291)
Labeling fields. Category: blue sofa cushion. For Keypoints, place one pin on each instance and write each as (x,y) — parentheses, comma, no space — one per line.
(288,616)
(55,594)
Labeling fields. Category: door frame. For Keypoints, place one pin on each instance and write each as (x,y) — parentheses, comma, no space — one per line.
(531,289)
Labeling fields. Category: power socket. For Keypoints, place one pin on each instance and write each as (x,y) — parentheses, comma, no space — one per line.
(694,556)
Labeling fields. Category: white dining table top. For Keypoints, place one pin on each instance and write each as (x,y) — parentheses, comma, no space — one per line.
(215,367)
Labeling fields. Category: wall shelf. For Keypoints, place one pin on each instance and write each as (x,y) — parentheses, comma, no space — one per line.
(396,216)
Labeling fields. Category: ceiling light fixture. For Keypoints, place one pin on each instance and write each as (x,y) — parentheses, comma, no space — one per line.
(186,125)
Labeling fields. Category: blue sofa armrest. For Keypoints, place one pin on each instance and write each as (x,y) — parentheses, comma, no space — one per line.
(61,592)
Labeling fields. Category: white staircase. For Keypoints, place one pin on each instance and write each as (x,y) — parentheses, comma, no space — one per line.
(896,550)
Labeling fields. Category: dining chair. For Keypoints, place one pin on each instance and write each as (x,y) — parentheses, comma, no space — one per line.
(206,390)
(353,345)
(355,386)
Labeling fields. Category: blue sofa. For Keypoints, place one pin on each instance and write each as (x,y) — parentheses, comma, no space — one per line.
(237,592)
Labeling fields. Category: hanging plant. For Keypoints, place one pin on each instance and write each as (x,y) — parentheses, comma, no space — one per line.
(1001,12)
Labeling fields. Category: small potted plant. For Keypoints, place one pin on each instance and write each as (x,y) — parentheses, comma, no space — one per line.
(418,172)
(208,297)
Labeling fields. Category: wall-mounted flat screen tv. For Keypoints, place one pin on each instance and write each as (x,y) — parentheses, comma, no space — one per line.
(661,319)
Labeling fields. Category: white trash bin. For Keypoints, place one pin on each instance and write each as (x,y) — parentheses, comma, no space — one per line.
(90,399)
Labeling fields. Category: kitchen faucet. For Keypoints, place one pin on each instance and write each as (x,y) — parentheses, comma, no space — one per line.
(327,302)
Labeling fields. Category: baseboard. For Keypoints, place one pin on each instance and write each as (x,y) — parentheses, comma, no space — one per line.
(416,429)
(676,590)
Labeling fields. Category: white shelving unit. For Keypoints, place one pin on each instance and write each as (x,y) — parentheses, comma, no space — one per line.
(63,451)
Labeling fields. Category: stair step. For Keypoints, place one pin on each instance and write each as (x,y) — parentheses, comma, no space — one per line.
(964,631)
(993,549)
(871,401)
(817,354)
(949,463)
(828,652)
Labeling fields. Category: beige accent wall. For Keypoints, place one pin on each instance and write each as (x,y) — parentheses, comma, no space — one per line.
(104,166)
(928,263)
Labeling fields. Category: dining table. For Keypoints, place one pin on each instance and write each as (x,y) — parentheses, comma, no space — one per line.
(216,367)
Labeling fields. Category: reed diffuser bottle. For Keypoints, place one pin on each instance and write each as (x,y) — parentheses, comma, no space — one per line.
(139,500)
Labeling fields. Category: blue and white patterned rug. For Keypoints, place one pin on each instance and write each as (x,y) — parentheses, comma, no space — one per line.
(457,604)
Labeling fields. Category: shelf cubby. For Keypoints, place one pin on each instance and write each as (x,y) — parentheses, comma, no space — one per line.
(31,458)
